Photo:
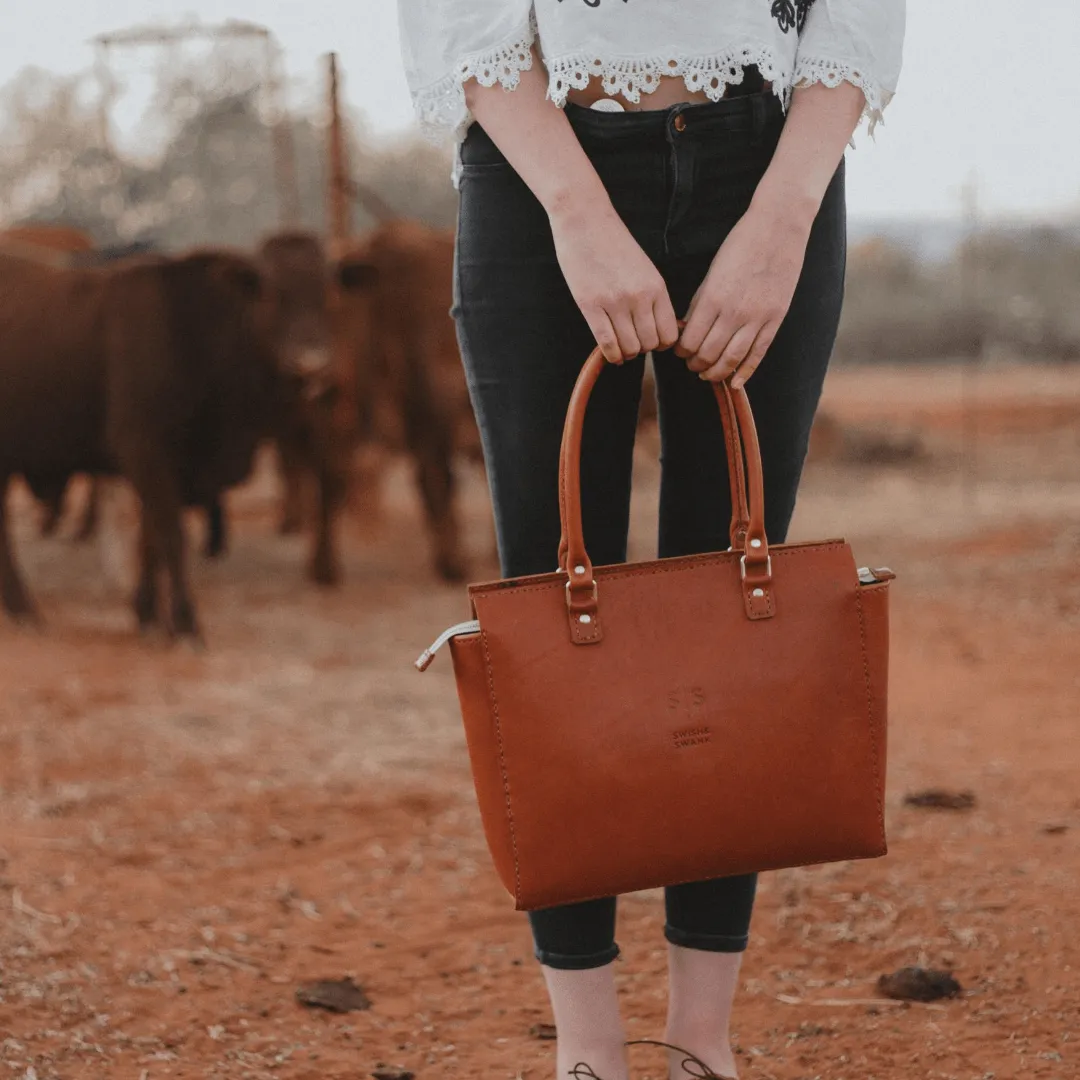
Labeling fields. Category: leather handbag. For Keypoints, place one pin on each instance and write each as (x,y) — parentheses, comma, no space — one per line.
(648,724)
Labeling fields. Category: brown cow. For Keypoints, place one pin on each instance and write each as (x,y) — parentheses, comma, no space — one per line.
(410,387)
(53,244)
(311,442)
(64,245)
(157,369)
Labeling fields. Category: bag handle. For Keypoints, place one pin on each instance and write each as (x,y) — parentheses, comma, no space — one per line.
(747,528)
(740,515)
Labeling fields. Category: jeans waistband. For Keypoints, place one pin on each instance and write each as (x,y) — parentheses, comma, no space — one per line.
(745,113)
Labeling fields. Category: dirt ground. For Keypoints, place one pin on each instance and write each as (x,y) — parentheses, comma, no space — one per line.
(187,838)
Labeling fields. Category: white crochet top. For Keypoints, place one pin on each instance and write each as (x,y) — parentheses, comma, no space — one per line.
(630,44)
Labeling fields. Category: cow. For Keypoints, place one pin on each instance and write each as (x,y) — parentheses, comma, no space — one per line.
(311,443)
(64,245)
(408,384)
(157,369)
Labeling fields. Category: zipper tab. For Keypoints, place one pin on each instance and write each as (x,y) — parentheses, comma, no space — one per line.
(423,661)
(875,576)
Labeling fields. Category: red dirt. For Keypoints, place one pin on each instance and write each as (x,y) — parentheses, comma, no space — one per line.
(185,839)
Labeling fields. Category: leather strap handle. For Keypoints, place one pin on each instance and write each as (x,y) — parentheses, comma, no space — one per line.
(747,528)
(740,514)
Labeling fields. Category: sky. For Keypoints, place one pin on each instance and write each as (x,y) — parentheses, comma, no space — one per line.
(989,89)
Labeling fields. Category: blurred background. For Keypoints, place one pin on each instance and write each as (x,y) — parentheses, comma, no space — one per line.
(974,160)
(192,842)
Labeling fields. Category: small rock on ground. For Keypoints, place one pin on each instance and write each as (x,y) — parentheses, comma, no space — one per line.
(918,984)
(337,995)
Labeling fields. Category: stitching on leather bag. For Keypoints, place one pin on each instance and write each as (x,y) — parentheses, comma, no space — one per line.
(593,634)
(874,749)
(727,557)
(502,766)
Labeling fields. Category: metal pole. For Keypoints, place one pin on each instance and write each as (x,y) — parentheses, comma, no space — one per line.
(338,222)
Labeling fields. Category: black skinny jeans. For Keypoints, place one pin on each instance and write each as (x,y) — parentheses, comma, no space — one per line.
(680,178)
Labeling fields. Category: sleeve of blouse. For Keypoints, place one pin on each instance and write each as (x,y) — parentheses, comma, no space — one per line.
(855,41)
(445,43)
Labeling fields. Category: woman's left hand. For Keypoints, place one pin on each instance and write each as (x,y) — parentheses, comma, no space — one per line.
(740,305)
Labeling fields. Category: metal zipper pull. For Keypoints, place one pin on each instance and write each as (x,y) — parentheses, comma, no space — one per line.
(423,661)
(875,576)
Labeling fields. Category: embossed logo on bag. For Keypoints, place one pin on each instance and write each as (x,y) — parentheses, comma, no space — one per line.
(688,702)
(695,736)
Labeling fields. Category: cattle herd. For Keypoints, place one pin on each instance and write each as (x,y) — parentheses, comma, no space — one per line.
(170,370)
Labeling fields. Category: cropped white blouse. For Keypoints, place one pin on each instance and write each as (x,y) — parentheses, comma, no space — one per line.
(630,44)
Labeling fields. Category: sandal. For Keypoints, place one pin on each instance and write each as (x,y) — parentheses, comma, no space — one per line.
(689,1062)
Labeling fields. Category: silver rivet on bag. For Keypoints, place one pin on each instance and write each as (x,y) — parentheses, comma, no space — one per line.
(755,543)
(759,592)
(584,618)
(579,569)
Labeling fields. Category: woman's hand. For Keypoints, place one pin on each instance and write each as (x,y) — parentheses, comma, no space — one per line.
(619,291)
(740,305)
(736,313)
(616,286)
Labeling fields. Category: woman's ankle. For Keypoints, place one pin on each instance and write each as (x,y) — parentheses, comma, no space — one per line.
(696,1051)
(586,1061)
(585,1008)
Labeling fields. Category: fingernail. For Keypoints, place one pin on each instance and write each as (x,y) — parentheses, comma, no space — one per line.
(737,382)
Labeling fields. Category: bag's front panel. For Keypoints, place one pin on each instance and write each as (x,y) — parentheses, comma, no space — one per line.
(691,741)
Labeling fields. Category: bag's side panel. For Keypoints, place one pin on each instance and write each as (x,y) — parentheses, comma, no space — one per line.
(485,753)
(875,612)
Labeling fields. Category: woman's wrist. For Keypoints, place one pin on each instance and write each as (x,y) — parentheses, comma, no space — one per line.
(571,204)
(788,204)
(818,128)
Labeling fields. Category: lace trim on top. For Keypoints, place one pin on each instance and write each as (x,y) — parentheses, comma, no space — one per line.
(441,105)
(815,69)
(633,76)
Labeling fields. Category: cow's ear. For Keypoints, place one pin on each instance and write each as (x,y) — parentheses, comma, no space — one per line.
(354,273)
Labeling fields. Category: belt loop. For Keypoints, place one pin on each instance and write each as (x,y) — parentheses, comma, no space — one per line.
(759,113)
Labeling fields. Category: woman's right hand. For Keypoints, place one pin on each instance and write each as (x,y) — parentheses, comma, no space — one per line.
(616,286)
(620,292)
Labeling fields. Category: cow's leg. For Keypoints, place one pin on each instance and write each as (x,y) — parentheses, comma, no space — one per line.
(145,601)
(324,568)
(88,525)
(217,539)
(431,444)
(293,476)
(16,599)
(163,530)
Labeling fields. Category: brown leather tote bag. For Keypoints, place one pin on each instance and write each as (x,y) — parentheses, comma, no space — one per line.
(648,724)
